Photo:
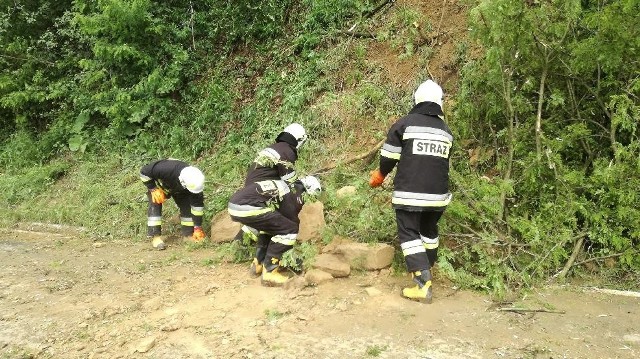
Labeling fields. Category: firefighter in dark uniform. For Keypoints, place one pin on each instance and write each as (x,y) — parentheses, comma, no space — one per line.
(172,178)
(420,145)
(275,162)
(271,207)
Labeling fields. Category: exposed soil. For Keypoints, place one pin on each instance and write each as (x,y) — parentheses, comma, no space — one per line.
(65,296)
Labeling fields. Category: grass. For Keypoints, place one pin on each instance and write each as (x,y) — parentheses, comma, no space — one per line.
(273,314)
(374,351)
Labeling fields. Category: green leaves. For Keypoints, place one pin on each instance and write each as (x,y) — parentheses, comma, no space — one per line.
(583,176)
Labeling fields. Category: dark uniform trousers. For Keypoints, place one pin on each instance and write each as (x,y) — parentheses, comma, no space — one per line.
(154,214)
(418,236)
(274,229)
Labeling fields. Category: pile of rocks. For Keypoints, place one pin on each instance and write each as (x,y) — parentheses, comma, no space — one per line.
(337,259)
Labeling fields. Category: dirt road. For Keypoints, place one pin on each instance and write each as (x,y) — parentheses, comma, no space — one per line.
(62,296)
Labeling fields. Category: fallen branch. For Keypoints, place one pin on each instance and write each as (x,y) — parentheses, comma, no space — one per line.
(624,293)
(378,8)
(366,15)
(526,310)
(368,154)
(577,248)
(431,40)
(362,35)
(614,255)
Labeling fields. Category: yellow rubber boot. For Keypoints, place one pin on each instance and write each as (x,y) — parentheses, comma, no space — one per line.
(416,293)
(158,243)
(256,268)
(422,292)
(273,278)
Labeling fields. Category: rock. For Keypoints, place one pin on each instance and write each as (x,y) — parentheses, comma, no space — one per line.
(317,277)
(312,221)
(172,326)
(631,338)
(335,242)
(152,304)
(296,282)
(98,245)
(366,256)
(211,288)
(223,229)
(145,345)
(384,272)
(373,292)
(346,191)
(332,264)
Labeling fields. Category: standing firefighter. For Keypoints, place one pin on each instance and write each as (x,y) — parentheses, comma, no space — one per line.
(271,207)
(419,144)
(172,178)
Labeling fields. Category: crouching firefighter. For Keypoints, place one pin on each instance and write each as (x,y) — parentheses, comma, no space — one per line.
(275,162)
(172,178)
(419,144)
(271,207)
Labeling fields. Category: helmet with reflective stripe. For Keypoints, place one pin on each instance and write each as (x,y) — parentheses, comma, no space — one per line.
(311,185)
(192,179)
(297,131)
(428,91)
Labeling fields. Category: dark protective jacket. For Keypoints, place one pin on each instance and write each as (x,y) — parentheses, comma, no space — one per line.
(420,145)
(275,162)
(268,196)
(164,174)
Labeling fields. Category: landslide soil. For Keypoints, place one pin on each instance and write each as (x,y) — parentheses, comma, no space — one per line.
(63,295)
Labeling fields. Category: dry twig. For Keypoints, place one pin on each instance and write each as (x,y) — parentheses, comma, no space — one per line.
(577,248)
(527,310)
(366,155)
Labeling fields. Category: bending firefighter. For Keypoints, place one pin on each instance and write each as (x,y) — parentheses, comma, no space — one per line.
(172,178)
(275,162)
(419,144)
(271,207)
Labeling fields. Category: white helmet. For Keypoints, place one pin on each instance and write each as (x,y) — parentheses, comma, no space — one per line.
(428,91)
(311,185)
(192,179)
(297,131)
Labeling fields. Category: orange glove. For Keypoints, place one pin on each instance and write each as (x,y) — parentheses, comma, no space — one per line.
(198,234)
(158,196)
(376,178)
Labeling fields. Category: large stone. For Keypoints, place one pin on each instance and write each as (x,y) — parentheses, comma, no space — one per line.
(346,191)
(366,256)
(335,242)
(332,264)
(311,221)
(145,345)
(223,229)
(317,277)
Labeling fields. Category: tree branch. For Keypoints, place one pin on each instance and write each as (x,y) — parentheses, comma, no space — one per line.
(526,310)
(365,155)
(577,248)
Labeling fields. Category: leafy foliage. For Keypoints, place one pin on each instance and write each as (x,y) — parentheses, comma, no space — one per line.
(561,122)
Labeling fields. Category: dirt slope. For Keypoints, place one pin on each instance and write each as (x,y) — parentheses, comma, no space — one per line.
(62,296)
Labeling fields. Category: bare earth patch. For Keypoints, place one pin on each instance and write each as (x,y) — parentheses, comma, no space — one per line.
(62,296)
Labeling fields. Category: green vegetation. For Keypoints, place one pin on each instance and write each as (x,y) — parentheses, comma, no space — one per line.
(545,112)
(273,314)
(374,351)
